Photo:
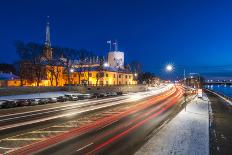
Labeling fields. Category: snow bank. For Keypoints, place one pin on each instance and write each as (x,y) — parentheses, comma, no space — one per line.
(186,134)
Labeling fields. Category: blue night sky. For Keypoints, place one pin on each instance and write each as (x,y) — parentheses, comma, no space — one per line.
(190,33)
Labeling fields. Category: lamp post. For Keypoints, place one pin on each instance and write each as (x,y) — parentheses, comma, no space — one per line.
(71,71)
(170,68)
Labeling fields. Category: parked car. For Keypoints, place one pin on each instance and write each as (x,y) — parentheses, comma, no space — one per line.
(3,103)
(119,93)
(84,96)
(113,94)
(22,102)
(8,104)
(71,97)
(34,101)
(52,100)
(99,95)
(43,101)
(103,94)
(62,99)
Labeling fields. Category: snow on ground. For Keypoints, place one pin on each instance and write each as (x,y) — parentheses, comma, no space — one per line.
(186,134)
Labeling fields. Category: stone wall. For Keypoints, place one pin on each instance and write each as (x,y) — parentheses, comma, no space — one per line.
(5,91)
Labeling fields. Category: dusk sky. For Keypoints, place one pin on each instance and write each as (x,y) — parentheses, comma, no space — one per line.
(196,34)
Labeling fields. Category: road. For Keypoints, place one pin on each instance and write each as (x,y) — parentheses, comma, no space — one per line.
(112,130)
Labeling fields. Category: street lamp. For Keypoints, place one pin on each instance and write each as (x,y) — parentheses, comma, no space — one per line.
(106,64)
(169,67)
(71,70)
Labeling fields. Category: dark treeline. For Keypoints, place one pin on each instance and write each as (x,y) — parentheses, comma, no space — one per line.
(146,77)
(31,50)
(31,66)
(7,68)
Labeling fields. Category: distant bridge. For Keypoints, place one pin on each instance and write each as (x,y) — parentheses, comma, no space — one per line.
(218,82)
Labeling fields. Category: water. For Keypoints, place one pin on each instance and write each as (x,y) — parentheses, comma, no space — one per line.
(224,89)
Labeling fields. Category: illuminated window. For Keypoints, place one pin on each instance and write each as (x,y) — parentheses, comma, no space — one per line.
(126,76)
(107,75)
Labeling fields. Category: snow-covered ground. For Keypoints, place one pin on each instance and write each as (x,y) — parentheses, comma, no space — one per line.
(186,134)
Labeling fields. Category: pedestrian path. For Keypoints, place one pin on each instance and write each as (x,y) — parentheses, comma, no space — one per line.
(186,134)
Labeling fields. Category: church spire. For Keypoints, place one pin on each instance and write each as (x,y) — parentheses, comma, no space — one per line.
(48,39)
(47,52)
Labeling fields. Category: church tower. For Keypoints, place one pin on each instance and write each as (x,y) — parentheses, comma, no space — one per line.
(47,52)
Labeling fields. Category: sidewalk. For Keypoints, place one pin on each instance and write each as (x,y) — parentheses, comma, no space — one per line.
(185,134)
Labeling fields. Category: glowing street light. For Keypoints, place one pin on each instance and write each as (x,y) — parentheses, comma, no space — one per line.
(136,74)
(71,70)
(169,68)
(106,64)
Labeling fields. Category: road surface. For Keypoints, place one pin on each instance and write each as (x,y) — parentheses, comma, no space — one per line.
(100,126)
(118,131)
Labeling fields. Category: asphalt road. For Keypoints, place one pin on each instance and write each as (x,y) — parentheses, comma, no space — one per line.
(34,124)
(122,134)
(16,123)
(221,126)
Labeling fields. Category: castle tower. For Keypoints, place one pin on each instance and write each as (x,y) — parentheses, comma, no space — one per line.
(116,57)
(47,52)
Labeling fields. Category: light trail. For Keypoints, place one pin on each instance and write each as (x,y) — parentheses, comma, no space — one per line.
(111,140)
(101,106)
(36,146)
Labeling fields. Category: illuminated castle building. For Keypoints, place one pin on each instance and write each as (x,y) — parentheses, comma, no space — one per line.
(88,71)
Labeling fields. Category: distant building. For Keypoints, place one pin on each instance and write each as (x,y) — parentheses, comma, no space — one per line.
(9,80)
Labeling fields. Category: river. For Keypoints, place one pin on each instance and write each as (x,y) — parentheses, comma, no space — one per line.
(224,89)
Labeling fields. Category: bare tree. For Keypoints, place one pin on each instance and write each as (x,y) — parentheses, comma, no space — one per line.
(100,72)
(31,68)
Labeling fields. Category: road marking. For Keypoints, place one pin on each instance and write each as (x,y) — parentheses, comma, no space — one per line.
(84,147)
(108,124)
(47,131)
(5,148)
(21,139)
(63,126)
